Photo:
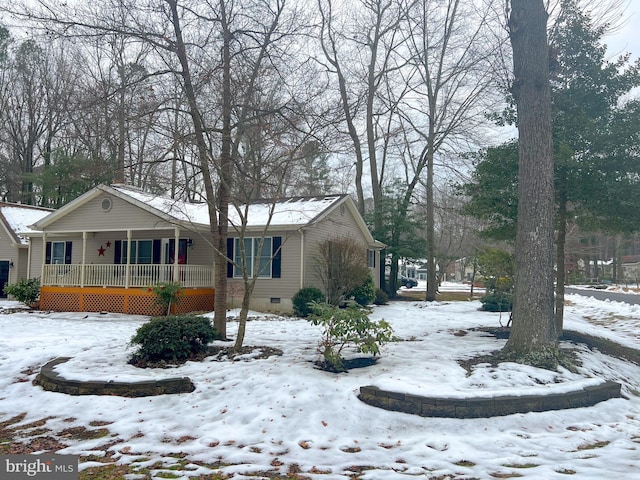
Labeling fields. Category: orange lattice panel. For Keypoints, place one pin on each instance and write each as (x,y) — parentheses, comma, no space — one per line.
(196,300)
(60,299)
(144,304)
(96,302)
(134,301)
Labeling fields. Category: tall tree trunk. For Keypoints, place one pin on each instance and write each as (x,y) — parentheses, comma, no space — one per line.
(220,323)
(533,336)
(432,276)
(224,185)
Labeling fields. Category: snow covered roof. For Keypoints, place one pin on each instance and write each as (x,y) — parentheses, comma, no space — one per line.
(283,214)
(286,212)
(17,219)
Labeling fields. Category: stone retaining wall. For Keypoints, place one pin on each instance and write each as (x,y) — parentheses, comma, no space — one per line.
(50,380)
(481,407)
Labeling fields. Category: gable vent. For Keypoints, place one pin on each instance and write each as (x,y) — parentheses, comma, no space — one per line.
(106,204)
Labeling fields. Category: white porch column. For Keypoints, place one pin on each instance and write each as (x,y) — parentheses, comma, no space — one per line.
(301,258)
(84,258)
(44,256)
(176,265)
(29,260)
(127,277)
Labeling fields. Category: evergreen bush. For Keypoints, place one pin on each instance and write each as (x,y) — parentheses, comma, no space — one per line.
(25,291)
(172,338)
(382,297)
(497,302)
(303,298)
(364,294)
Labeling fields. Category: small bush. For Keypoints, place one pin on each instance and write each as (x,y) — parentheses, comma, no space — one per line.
(365,294)
(303,298)
(348,326)
(25,291)
(382,298)
(497,302)
(167,294)
(173,338)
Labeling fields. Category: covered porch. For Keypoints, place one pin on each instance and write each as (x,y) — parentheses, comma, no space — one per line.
(74,275)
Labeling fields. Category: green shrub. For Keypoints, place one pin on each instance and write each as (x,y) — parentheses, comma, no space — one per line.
(348,326)
(303,298)
(382,297)
(173,338)
(25,291)
(497,302)
(167,294)
(365,294)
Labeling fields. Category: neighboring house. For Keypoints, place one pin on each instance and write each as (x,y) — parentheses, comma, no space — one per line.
(631,268)
(82,254)
(14,244)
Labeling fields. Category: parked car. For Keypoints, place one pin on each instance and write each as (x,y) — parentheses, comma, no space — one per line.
(408,282)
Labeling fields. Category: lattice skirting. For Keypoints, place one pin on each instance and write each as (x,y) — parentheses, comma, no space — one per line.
(134,301)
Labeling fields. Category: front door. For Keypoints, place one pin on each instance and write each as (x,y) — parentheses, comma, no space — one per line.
(4,277)
(169,247)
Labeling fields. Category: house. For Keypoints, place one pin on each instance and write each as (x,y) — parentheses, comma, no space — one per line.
(631,268)
(14,244)
(104,250)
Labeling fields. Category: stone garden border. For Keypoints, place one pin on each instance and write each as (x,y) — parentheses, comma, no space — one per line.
(50,380)
(483,407)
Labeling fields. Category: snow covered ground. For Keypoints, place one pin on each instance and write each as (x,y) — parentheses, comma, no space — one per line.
(282,414)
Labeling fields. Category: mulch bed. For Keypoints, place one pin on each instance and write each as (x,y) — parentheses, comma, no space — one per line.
(219,354)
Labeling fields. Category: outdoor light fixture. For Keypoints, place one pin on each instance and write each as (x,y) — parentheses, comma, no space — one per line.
(10,263)
(189,242)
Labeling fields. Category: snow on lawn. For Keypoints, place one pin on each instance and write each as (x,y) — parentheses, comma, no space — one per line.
(271,414)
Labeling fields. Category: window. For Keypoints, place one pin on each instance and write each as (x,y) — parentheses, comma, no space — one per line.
(263,261)
(141,252)
(257,258)
(58,253)
(371,258)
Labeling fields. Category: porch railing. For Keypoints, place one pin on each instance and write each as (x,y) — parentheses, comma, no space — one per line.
(78,275)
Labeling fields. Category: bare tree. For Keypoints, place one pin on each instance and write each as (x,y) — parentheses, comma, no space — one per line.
(451,90)
(362,55)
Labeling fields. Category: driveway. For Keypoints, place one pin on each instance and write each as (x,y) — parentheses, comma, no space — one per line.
(631,298)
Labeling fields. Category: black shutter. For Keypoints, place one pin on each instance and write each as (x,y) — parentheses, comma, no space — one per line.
(157,251)
(48,254)
(230,257)
(276,262)
(67,252)
(117,252)
(172,250)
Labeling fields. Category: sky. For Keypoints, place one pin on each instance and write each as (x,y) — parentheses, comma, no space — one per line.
(627,39)
(284,414)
